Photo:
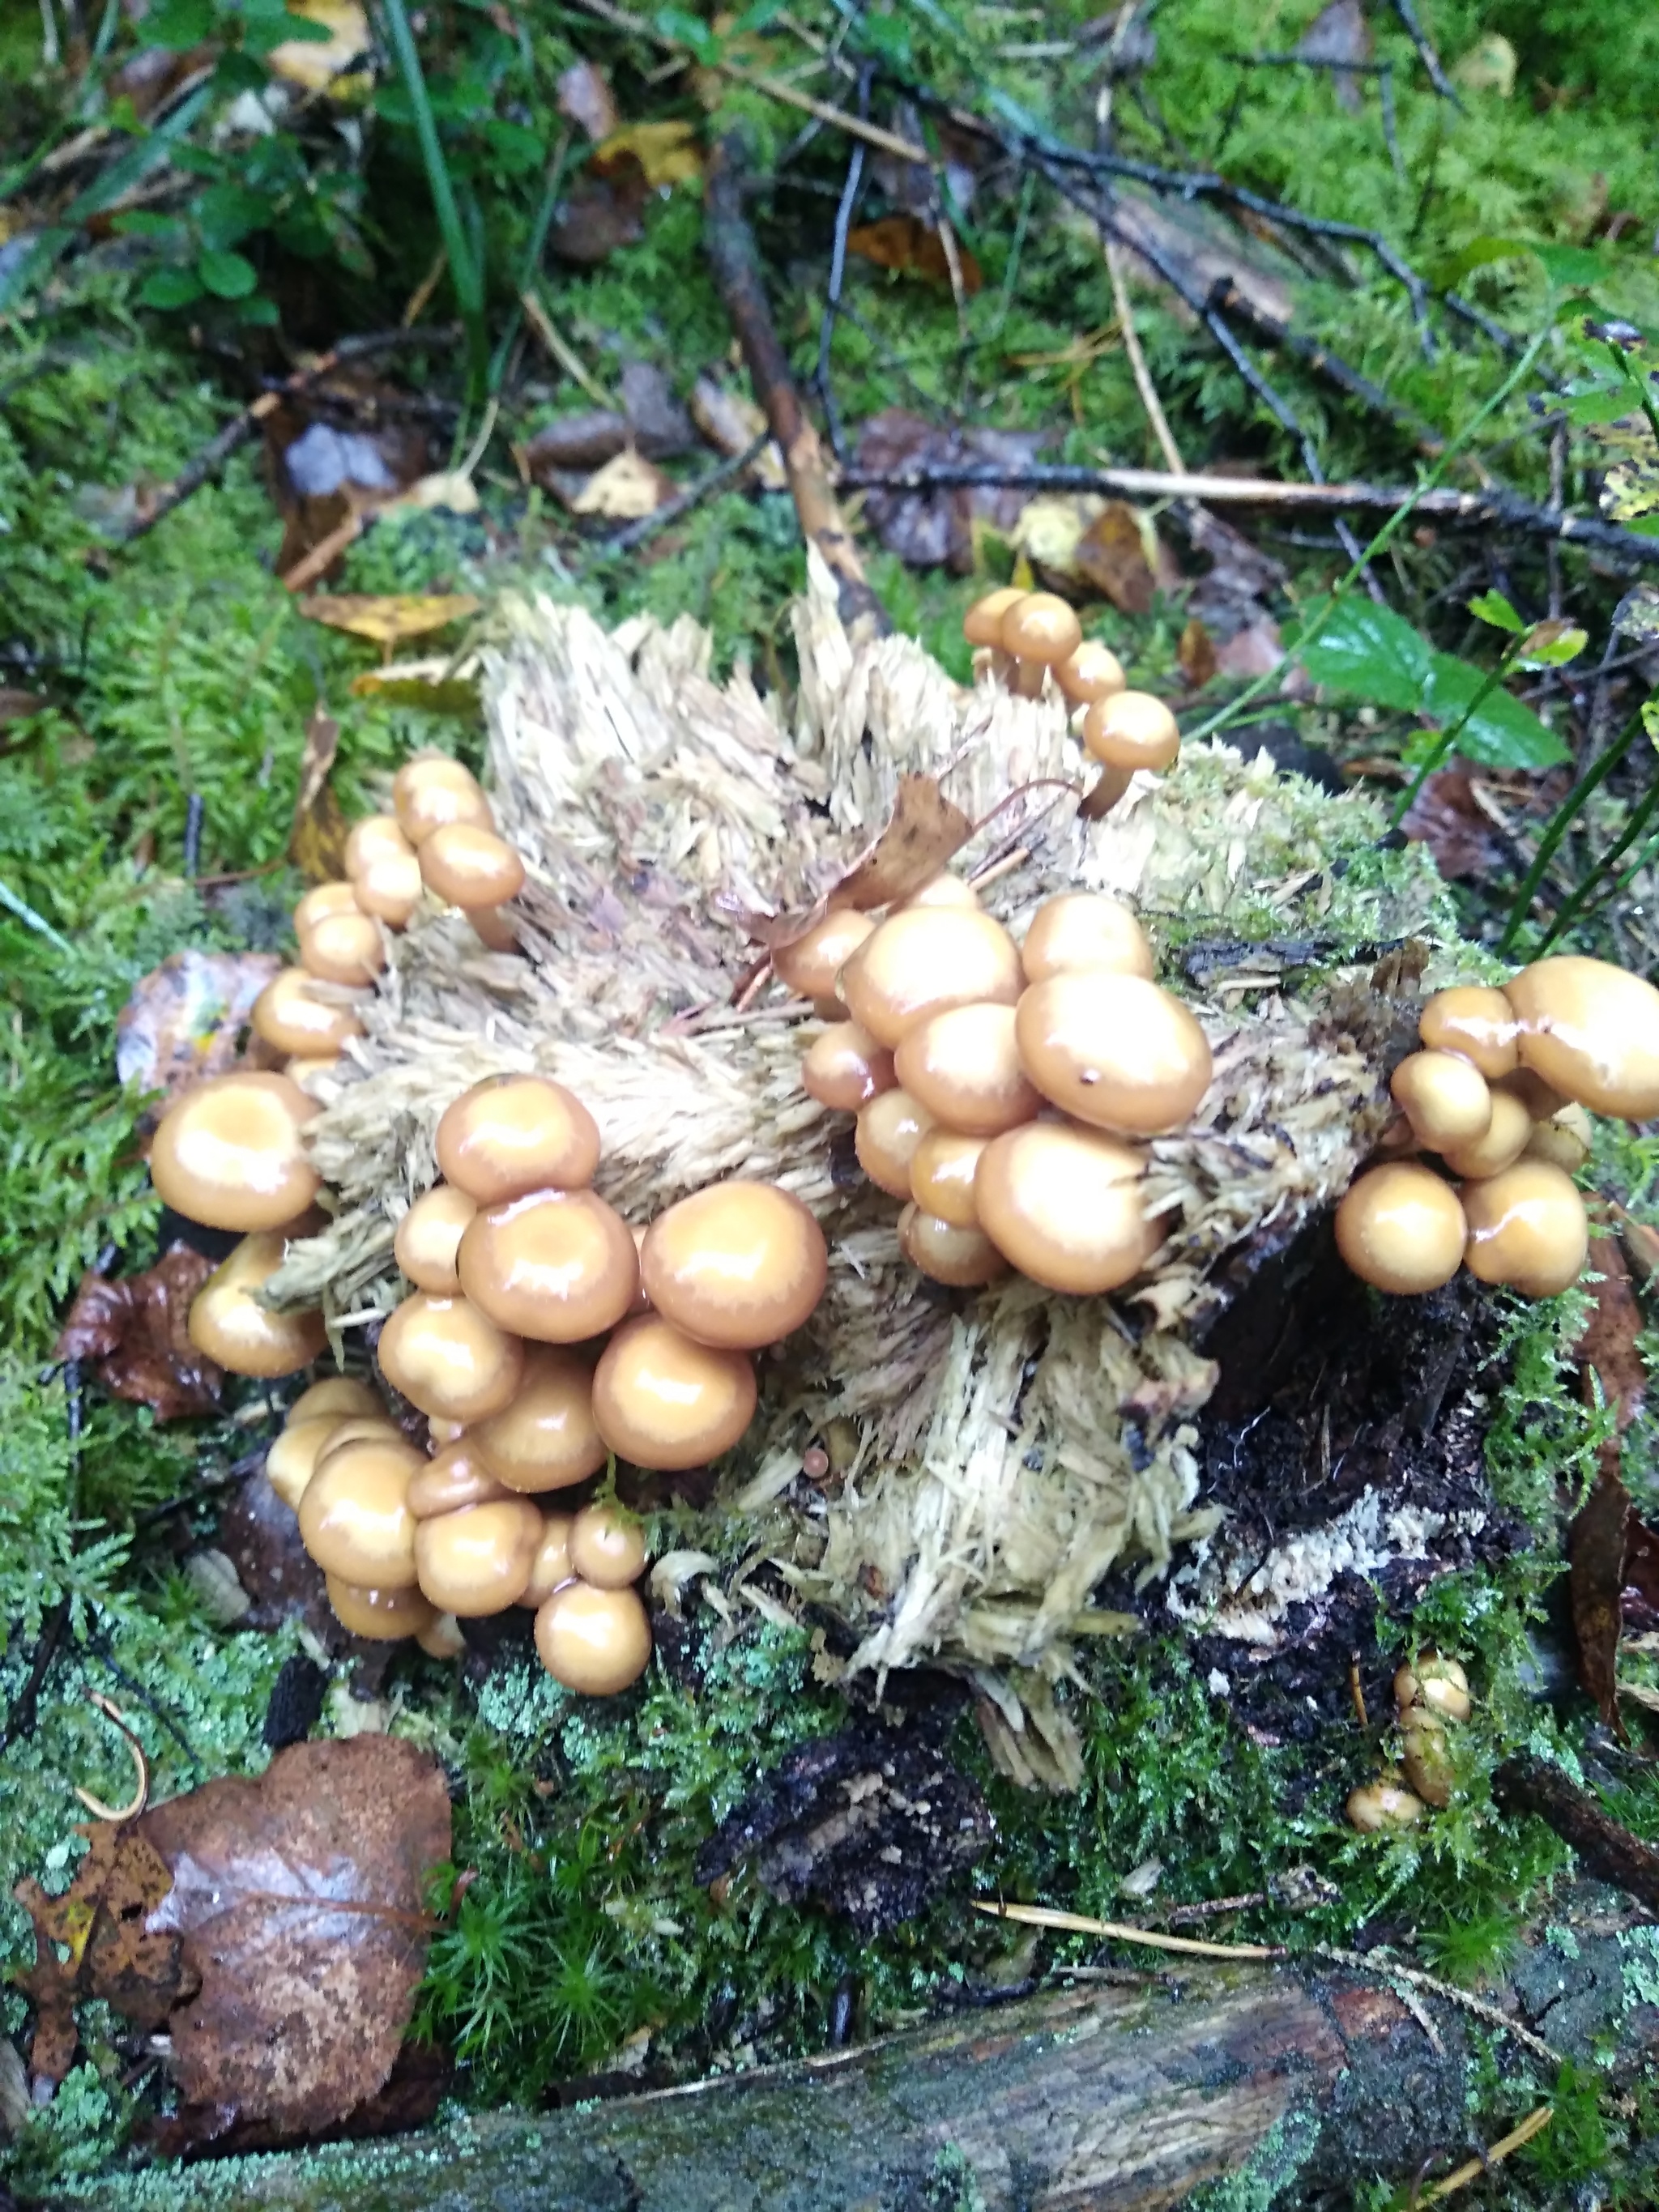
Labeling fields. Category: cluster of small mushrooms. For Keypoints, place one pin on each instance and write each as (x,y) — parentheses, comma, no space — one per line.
(1429,1695)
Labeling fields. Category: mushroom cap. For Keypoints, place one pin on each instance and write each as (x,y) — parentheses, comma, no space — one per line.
(1085,930)
(663,1401)
(429,1236)
(1508,1134)
(923,959)
(360,1428)
(844,1067)
(949,1254)
(286,1015)
(1528,1228)
(1065,1206)
(1439,1685)
(1543,1103)
(607,1548)
(389,886)
(469,866)
(738,1265)
(1478,1021)
(1041,626)
(306,1071)
(321,899)
(440,1432)
(547,1438)
(552,1565)
(557,1266)
(432,790)
(1377,1805)
(453,1479)
(383,1616)
(230,1325)
(1117,1051)
(889,1130)
(596,1642)
(982,623)
(344,948)
(494,926)
(963,1066)
(1564,1140)
(1591,1031)
(1093,672)
(374,837)
(944,889)
(1425,1759)
(1443,1097)
(478,1560)
(449,1359)
(229,1154)
(1132,730)
(339,1396)
(517,1134)
(355,1519)
(293,1456)
(810,966)
(441,1638)
(1400,1227)
(942,1171)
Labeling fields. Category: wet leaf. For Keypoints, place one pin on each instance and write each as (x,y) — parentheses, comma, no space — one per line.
(1610,1345)
(100,1921)
(926,829)
(659,425)
(584,98)
(317,841)
(731,421)
(389,620)
(1112,556)
(575,442)
(186,1020)
(1595,1552)
(624,490)
(1446,817)
(1256,650)
(602,213)
(906,243)
(1196,653)
(134,1333)
(439,684)
(926,528)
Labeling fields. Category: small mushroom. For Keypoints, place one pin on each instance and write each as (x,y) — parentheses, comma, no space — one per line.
(229,1324)
(963,1066)
(479,1560)
(455,1479)
(982,623)
(810,966)
(1564,1140)
(321,899)
(469,866)
(1476,1020)
(1037,632)
(922,961)
(557,1266)
(382,1616)
(360,1428)
(441,1432)
(286,1015)
(944,889)
(596,1642)
(431,791)
(662,1401)
(318,1078)
(1528,1228)
(844,1067)
(1092,673)
(964,1258)
(1117,1051)
(339,1396)
(293,1455)
(551,1565)
(449,1359)
(1509,1133)
(1085,930)
(1591,1031)
(1439,1685)
(1132,730)
(355,1519)
(389,887)
(429,1236)
(441,1638)
(1444,1099)
(1535,1094)
(739,1264)
(344,948)
(1378,1805)
(942,1171)
(1064,1205)
(1426,1759)
(229,1153)
(375,837)
(1400,1229)
(517,1134)
(889,1130)
(547,1438)
(607,1548)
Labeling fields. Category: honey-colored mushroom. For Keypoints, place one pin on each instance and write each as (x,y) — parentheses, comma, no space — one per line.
(229,1153)
(1425,1759)
(1064,1206)
(389,887)
(607,1548)
(1527,1228)
(947,1252)
(317,1078)
(383,1616)
(359,1428)
(375,837)
(449,1359)
(1085,930)
(810,966)
(1438,1685)
(1378,1805)
(321,899)
(286,1015)
(846,1068)
(1092,673)
(1037,632)
(922,961)
(293,1456)
(963,1066)
(479,1560)
(1476,1020)
(355,1519)
(518,1134)
(1564,1140)
(982,623)
(469,866)
(889,1130)
(942,1171)
(1117,1051)
(1444,1099)
(1507,1135)
(738,1265)
(1535,1094)
(547,1438)
(663,1401)
(596,1642)
(1400,1229)
(1591,1031)
(229,1324)
(495,928)
(441,1637)
(431,791)
(441,1431)
(339,1396)
(453,1479)
(944,889)
(1132,730)
(429,1236)
(551,1565)
(557,1266)
(344,948)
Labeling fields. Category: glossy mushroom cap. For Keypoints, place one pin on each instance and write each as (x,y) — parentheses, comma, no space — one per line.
(1064,1205)
(924,959)
(739,1264)
(942,1171)
(889,1130)
(1508,1134)
(448,1359)
(552,1565)
(810,966)
(1443,1097)
(307,1071)
(229,1153)
(948,1253)
(1438,1685)
(518,1133)
(607,1548)
(1117,1051)
(469,866)
(432,790)
(1591,1031)
(344,948)
(1377,1805)
(375,837)
(440,1432)
(1564,1140)
(360,1428)
(339,1396)
(944,889)
(982,623)
(478,1561)
(662,1401)
(286,1015)
(1041,626)
(389,887)
(846,1068)
(963,1066)
(453,1479)
(596,1642)
(1092,673)
(1132,730)
(1400,1229)
(429,1236)
(1477,1021)
(355,1519)
(557,1266)
(1527,1228)
(321,899)
(547,1438)
(1425,1758)
(228,1323)
(383,1616)
(293,1456)
(1085,930)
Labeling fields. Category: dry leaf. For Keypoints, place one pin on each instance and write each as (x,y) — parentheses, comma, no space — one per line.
(661,427)
(927,828)
(316,841)
(1256,650)
(389,621)
(1445,816)
(444,488)
(731,423)
(667,153)
(584,98)
(318,67)
(602,213)
(927,527)
(1610,1343)
(1596,1551)
(574,442)
(136,1333)
(624,490)
(186,1019)
(1488,66)
(1113,554)
(1196,653)
(905,242)
(99,1920)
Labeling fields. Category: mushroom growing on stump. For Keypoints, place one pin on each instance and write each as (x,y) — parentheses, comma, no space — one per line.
(1038,632)
(594,1641)
(355,1519)
(844,1067)
(1528,1228)
(551,1565)
(431,791)
(811,965)
(1507,1135)
(982,623)
(1375,1805)
(288,1016)
(922,961)
(1591,1031)
(229,1153)
(383,1616)
(1400,1229)
(606,1547)
(1444,1099)
(1117,1051)
(1064,1206)
(547,1438)
(388,886)
(430,1236)
(477,1561)
(338,1396)
(452,1479)
(738,1265)
(1092,673)
(1476,1021)
(943,1168)
(1126,733)
(1085,930)
(321,899)
(450,1359)
(948,1252)
(344,948)
(963,1067)
(292,1458)
(889,1130)
(229,1324)
(517,1134)
(469,866)
(556,1265)
(662,1401)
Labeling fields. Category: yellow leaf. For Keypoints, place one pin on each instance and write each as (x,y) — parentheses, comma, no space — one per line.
(667,152)
(316,841)
(314,66)
(388,621)
(439,684)
(624,490)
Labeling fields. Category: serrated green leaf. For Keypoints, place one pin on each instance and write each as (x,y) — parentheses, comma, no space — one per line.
(1492,607)
(1370,653)
(228,276)
(1572,267)
(1500,733)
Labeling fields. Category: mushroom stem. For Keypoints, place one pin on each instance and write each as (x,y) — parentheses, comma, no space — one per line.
(1104,793)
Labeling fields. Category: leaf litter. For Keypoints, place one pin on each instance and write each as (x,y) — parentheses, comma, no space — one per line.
(134,1332)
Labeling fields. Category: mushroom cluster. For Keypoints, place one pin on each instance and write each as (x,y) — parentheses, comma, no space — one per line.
(1429,1695)
(1499,1090)
(998,1089)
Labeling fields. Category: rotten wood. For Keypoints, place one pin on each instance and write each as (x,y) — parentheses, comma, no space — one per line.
(1607,1851)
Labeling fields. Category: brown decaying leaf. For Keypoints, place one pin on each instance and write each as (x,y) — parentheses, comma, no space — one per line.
(136,1333)
(260,1537)
(731,423)
(585,99)
(1445,817)
(575,442)
(905,242)
(99,1920)
(1595,1552)
(1197,655)
(1111,555)
(926,528)
(605,210)
(186,1020)
(1256,650)
(926,829)
(316,841)
(1609,1344)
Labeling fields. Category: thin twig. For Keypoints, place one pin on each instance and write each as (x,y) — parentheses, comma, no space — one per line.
(96,1806)
(1079,1924)
(562,352)
(1387,1969)
(1138,368)
(1535,2123)
(844,214)
(1425,52)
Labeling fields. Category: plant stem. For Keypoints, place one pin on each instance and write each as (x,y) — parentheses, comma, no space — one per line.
(464,272)
(1449,737)
(1560,822)
(1575,904)
(532,261)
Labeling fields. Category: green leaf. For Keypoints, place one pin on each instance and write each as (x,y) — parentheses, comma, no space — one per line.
(228,276)
(1551,645)
(226,213)
(179,25)
(1479,253)
(688,30)
(1492,607)
(169,287)
(1371,654)
(1500,733)
(1572,268)
(144,222)
(260,311)
(516,147)
(262,31)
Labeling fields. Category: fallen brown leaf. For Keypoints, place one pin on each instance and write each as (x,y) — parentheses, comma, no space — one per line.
(1196,654)
(1595,1552)
(317,841)
(666,152)
(135,1332)
(186,1020)
(1255,650)
(1445,817)
(317,66)
(99,1921)
(575,441)
(926,528)
(731,423)
(1112,556)
(906,243)
(605,210)
(925,830)
(1609,1346)
(585,98)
